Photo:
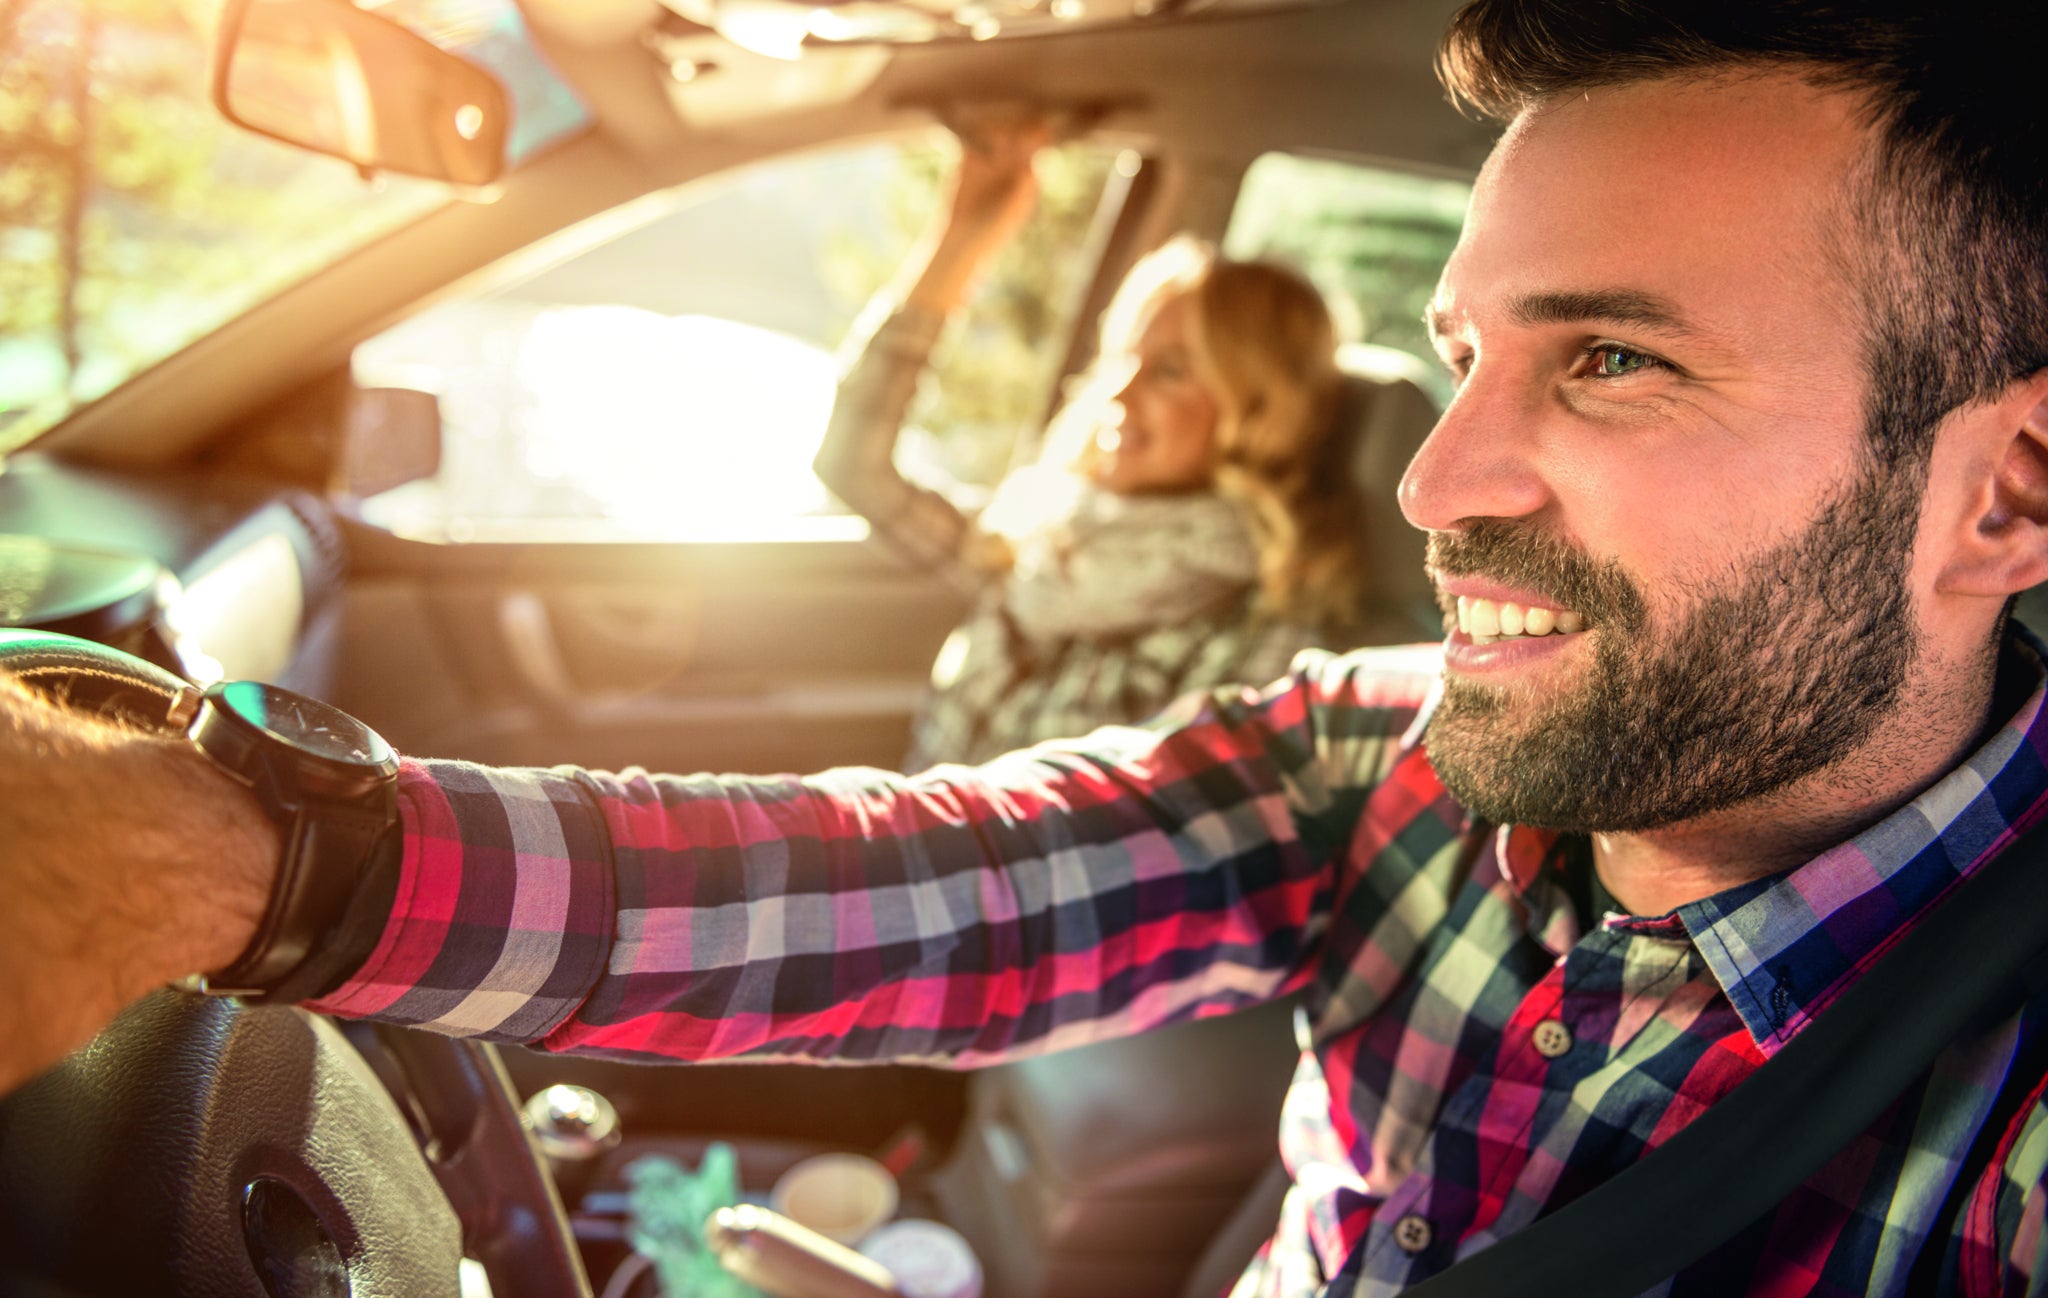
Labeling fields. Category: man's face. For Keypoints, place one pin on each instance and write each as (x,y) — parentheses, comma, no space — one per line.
(1658,446)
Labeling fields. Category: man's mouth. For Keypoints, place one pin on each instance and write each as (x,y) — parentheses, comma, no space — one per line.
(1486,621)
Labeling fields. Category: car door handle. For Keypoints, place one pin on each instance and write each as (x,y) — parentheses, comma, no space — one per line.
(528,630)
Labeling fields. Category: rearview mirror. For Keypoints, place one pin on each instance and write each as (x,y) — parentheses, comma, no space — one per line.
(327,76)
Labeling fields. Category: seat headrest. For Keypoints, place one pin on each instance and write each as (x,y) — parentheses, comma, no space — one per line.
(1385,407)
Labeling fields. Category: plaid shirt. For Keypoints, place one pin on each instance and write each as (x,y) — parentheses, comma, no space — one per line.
(1473,1059)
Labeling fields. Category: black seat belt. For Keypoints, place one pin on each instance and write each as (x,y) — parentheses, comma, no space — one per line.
(1777,1127)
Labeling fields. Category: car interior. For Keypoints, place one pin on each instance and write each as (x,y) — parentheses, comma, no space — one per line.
(317,489)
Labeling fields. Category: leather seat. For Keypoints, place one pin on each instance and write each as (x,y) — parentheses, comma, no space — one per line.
(1386,406)
(1109,1170)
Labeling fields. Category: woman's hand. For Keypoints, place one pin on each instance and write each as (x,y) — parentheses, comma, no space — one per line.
(992,193)
(994,188)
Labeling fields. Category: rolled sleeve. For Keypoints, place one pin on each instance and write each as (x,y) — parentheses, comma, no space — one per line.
(504,916)
(1069,893)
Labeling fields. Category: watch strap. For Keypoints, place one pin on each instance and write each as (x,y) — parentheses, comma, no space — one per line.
(327,852)
(348,946)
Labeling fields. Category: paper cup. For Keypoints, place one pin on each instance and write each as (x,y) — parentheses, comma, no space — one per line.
(841,1196)
(928,1260)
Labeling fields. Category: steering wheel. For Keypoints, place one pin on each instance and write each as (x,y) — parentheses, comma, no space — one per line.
(204,1146)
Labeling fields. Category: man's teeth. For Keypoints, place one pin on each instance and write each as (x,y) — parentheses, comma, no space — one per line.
(1486,620)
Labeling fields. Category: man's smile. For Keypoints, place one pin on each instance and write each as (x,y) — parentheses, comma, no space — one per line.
(1486,620)
(1492,627)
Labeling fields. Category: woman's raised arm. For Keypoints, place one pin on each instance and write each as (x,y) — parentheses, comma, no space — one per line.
(991,195)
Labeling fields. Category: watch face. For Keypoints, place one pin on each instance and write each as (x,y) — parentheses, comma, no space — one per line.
(306,724)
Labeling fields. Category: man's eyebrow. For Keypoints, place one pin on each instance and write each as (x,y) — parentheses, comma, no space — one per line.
(1630,308)
(1435,321)
(1623,307)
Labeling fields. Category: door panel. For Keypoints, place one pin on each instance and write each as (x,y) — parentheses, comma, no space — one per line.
(722,657)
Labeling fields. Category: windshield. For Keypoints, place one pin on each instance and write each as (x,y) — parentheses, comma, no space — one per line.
(134,219)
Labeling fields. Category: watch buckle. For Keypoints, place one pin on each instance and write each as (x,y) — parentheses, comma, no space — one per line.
(184,706)
(198,985)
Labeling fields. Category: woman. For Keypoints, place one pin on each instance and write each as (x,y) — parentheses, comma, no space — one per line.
(1190,522)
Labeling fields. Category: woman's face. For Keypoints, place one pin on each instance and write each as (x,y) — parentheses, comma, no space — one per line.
(1159,432)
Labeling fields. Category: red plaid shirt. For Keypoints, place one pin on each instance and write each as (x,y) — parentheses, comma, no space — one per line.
(1473,1058)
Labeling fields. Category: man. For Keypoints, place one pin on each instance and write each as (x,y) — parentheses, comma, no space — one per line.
(1749,456)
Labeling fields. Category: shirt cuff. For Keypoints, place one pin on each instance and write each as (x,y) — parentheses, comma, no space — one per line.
(503,918)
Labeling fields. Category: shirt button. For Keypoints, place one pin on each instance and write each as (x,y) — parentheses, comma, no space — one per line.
(1412,1233)
(1551,1039)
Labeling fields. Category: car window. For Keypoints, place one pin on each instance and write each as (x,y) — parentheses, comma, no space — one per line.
(666,370)
(134,219)
(1373,239)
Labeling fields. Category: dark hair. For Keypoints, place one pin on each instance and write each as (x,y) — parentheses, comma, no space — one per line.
(1947,226)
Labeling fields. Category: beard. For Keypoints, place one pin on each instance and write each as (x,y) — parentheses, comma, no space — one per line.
(1771,672)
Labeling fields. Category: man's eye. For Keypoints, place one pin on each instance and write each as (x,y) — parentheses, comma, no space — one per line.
(1613,361)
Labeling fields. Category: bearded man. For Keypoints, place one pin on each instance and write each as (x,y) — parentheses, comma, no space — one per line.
(1748,459)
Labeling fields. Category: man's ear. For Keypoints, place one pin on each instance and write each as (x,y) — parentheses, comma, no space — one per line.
(2005,548)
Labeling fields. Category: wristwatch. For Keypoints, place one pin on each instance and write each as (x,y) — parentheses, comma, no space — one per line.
(330,785)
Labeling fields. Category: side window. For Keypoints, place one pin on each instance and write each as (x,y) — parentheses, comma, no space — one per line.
(1373,239)
(665,372)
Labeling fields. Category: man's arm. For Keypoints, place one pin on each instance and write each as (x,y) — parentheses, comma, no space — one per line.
(1053,897)
(126,861)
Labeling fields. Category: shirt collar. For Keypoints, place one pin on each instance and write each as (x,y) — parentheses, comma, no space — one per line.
(1785,946)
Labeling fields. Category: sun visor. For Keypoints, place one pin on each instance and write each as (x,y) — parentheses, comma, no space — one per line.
(714,82)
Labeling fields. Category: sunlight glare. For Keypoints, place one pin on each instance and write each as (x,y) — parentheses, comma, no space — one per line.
(675,426)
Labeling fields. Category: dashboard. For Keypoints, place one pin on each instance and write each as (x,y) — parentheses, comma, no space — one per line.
(212,577)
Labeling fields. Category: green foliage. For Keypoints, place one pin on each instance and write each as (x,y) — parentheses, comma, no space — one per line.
(1372,239)
(133,217)
(94,124)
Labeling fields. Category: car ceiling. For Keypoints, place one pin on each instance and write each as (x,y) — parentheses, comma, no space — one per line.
(1210,90)
(1333,66)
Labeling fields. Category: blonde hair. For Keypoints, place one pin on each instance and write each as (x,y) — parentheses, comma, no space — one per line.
(1265,345)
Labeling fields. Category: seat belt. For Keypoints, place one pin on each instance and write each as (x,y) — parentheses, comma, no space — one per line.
(1778,1126)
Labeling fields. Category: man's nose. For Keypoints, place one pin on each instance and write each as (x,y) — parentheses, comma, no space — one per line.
(1476,463)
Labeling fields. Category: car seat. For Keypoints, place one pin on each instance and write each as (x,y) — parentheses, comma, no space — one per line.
(1385,404)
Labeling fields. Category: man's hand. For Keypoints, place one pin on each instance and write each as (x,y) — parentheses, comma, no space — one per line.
(126,861)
